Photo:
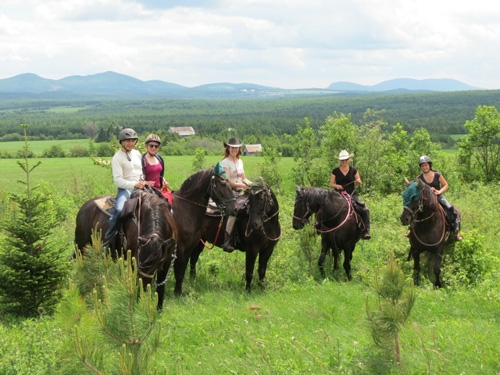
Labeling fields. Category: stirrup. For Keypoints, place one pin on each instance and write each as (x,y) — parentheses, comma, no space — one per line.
(458,237)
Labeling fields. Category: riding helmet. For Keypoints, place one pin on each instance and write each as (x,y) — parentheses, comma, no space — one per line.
(127,133)
(153,138)
(425,159)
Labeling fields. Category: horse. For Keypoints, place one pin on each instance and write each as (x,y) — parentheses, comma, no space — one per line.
(257,230)
(147,229)
(429,230)
(337,222)
(190,203)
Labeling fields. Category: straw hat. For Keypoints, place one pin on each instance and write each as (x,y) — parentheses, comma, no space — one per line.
(344,155)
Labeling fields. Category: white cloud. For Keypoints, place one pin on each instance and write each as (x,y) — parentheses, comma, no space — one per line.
(283,43)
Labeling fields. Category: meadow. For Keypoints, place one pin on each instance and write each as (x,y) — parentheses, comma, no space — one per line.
(300,323)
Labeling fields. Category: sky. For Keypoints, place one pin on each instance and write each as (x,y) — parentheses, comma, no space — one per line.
(279,43)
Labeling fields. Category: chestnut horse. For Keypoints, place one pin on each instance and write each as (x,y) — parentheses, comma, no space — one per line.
(147,229)
(257,230)
(337,223)
(429,230)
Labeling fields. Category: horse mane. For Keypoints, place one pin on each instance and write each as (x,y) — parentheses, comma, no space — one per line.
(155,217)
(192,184)
(317,196)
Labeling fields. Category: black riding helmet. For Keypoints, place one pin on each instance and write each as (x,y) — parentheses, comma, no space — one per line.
(425,159)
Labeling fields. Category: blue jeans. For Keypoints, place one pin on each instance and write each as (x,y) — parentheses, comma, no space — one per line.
(121,198)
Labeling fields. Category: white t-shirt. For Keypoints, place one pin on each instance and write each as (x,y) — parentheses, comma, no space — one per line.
(236,171)
(126,173)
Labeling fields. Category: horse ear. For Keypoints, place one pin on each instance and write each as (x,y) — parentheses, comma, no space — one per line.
(406,181)
(297,189)
(420,183)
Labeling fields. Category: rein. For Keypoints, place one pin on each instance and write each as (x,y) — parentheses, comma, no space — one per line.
(348,215)
(139,246)
(414,221)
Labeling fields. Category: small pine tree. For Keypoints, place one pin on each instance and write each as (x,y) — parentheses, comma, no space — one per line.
(33,267)
(111,329)
(396,297)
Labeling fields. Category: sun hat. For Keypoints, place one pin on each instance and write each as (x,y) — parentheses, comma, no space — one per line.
(344,155)
(233,142)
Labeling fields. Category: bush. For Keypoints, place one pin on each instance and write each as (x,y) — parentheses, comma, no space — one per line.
(55,151)
(78,152)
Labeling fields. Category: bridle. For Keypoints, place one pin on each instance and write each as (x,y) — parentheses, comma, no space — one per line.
(414,220)
(305,218)
(139,247)
(267,205)
(214,195)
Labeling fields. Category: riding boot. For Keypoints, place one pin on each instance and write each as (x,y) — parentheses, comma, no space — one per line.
(365,213)
(228,246)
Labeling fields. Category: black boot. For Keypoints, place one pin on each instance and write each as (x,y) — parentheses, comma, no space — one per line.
(366,221)
(227,246)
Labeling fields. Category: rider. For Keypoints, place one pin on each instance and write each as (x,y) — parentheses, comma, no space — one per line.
(343,178)
(439,185)
(233,166)
(127,175)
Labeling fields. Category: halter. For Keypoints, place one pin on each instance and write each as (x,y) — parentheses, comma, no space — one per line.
(268,204)
(139,246)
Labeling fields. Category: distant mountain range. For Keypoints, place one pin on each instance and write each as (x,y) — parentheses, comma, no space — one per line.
(115,85)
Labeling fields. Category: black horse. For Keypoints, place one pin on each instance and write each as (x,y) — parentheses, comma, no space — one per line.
(257,231)
(337,222)
(189,205)
(429,230)
(147,229)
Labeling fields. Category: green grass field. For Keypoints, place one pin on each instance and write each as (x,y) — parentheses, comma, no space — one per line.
(300,324)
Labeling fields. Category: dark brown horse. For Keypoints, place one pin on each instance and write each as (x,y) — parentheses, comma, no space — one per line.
(429,229)
(147,229)
(336,221)
(190,204)
(257,230)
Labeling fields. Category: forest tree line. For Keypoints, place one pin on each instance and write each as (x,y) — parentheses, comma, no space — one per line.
(441,114)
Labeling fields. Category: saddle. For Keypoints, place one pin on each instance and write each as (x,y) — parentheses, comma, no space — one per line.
(107,206)
(241,207)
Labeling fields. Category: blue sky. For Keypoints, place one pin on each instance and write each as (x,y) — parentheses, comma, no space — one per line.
(280,43)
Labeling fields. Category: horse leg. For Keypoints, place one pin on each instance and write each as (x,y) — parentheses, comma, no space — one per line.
(437,269)
(347,263)
(194,259)
(160,284)
(179,271)
(416,266)
(263,260)
(325,246)
(250,258)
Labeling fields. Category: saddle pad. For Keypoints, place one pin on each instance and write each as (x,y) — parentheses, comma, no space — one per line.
(106,204)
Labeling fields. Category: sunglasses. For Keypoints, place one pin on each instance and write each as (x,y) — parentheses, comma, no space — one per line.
(153,146)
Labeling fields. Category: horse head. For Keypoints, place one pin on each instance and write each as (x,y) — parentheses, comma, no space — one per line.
(157,234)
(301,209)
(260,203)
(220,191)
(152,253)
(417,198)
